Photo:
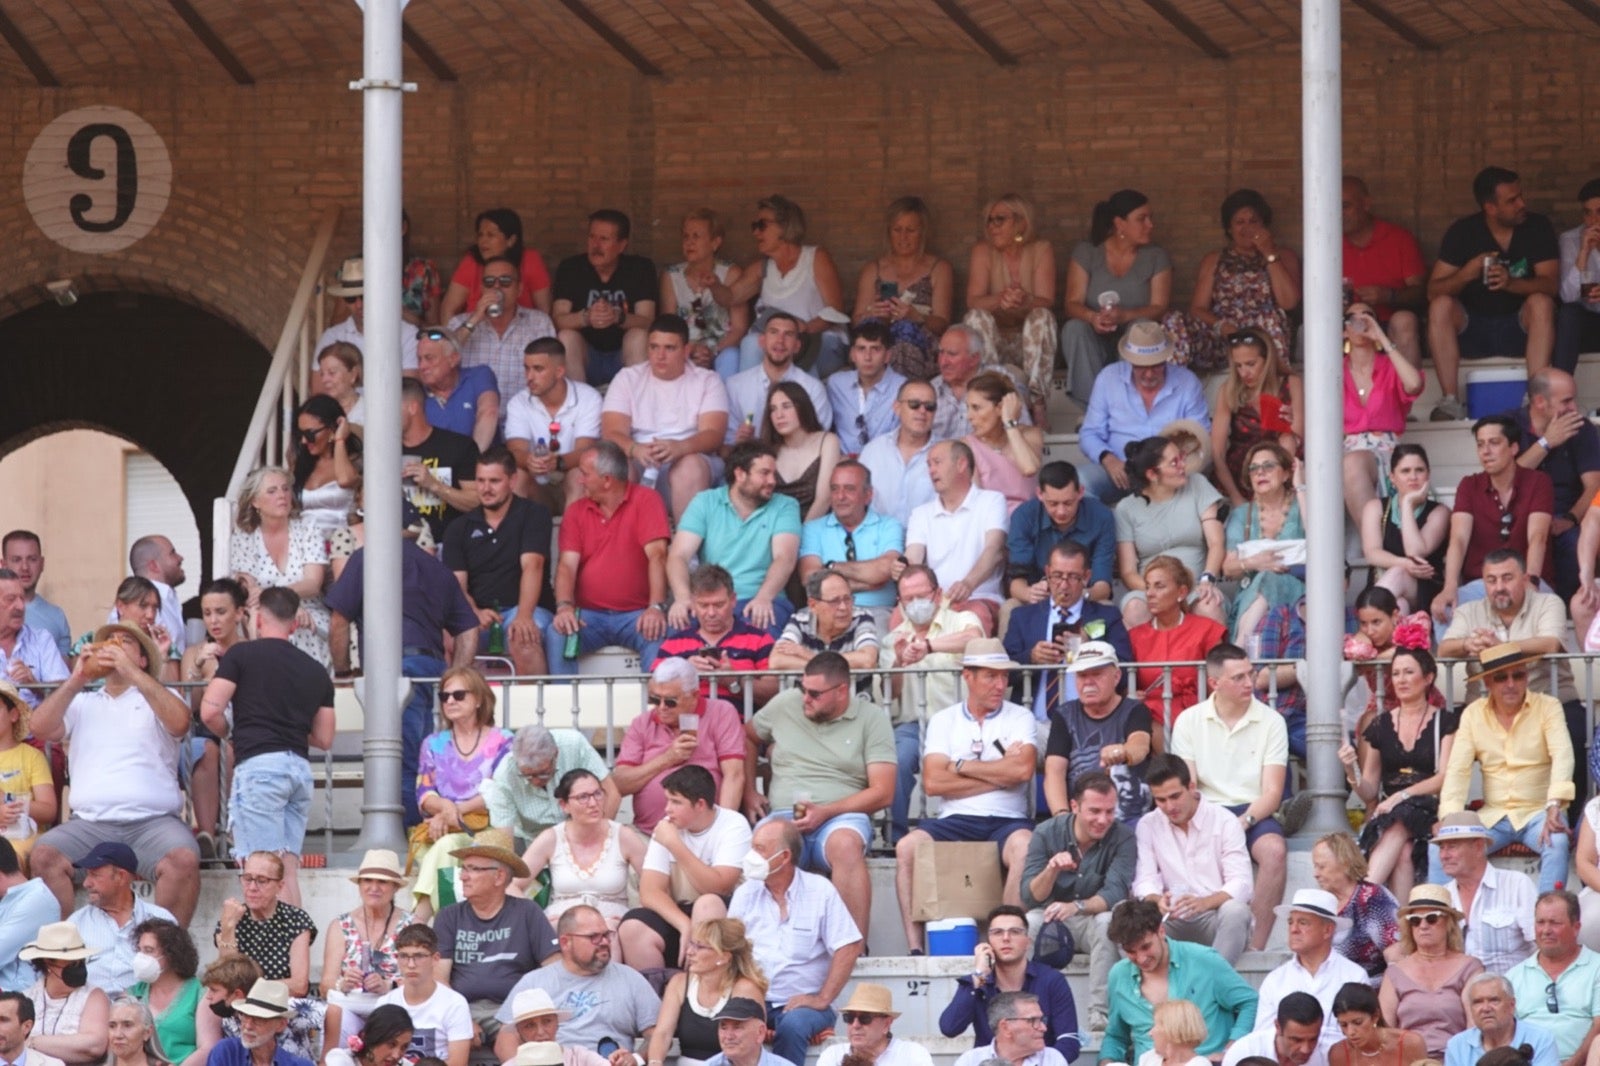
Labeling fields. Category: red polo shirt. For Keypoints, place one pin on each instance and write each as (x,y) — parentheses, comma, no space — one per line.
(613,574)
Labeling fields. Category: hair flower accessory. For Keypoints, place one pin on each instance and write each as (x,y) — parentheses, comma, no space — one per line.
(355,1044)
(1358,648)
(1415,632)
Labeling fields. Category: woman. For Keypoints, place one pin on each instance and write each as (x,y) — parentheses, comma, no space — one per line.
(790,275)
(272,545)
(499,232)
(1114,277)
(1377,395)
(1586,860)
(419,282)
(165,969)
(1274,514)
(1406,536)
(30,804)
(687,290)
(1251,282)
(909,290)
(137,603)
(719,964)
(1421,990)
(1177,1028)
(1255,405)
(339,378)
(383,1041)
(1171,635)
(1402,771)
(1171,512)
(70,1018)
(589,855)
(1011,286)
(326,475)
(1366,1038)
(451,766)
(1380,632)
(806,452)
(358,954)
(1338,867)
(276,935)
(1006,454)
(224,612)
(132,1039)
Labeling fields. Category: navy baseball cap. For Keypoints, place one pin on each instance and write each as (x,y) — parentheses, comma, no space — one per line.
(110,853)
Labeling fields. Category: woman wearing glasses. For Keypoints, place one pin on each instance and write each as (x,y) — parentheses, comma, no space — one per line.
(273,545)
(277,935)
(1378,393)
(1421,990)
(326,464)
(1274,514)
(1257,403)
(589,855)
(1011,286)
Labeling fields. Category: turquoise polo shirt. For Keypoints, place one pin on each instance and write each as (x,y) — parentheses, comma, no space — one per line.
(1195,973)
(1577,994)
(741,546)
(877,533)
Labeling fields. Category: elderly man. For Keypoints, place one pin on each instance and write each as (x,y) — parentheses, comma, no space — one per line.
(898,460)
(538,1019)
(933,637)
(979,757)
(1293,1039)
(719,640)
(830,621)
(742,1035)
(1478,890)
(1558,986)
(437,466)
(348,284)
(16,1028)
(550,424)
(1018,1024)
(1519,741)
(602,998)
(1311,918)
(804,939)
(1080,865)
(22,552)
(1101,730)
(1060,512)
(521,792)
(25,905)
(1383,267)
(679,727)
(603,301)
(1559,440)
(854,541)
(263,1014)
(488,940)
(441,1019)
(833,766)
(28,656)
(499,330)
(611,574)
(962,356)
(107,921)
(961,533)
(869,1015)
(779,335)
(863,398)
(464,400)
(690,869)
(1001,962)
(1491,1005)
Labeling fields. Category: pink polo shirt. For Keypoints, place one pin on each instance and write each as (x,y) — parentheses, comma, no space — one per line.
(721,737)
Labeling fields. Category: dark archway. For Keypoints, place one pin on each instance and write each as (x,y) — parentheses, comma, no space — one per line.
(176,380)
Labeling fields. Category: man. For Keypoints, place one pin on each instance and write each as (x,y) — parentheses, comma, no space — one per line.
(680,727)
(1313,967)
(441,1021)
(963,354)
(1001,966)
(263,1014)
(1493,290)
(1519,741)
(669,416)
(25,905)
(348,284)
(521,792)
(833,765)
(869,1015)
(863,399)
(1193,864)
(603,300)
(1060,511)
(537,1022)
(802,933)
(498,553)
(1491,1005)
(107,921)
(497,332)
(16,1025)
(1566,447)
(750,530)
(153,557)
(690,869)
(1019,1035)
(282,703)
(437,466)
(1155,968)
(1383,269)
(933,637)
(1478,890)
(830,622)
(1237,750)
(22,552)
(1294,1038)
(778,334)
(462,399)
(1558,986)
(1080,865)
(979,757)
(961,533)
(432,604)
(717,639)
(123,757)
(550,424)
(30,655)
(488,940)
(898,461)
(1099,733)
(1133,399)
(854,541)
(1578,317)
(602,998)
(611,575)
(742,1034)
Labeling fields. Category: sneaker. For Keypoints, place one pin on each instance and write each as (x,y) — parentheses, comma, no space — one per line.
(1448,409)
(1294,813)
(207,844)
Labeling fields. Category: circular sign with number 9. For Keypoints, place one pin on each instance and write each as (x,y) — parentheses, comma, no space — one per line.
(97,179)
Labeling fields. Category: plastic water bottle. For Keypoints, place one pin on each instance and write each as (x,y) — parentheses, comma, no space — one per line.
(541,448)
(650,476)
(1108,300)
(569,647)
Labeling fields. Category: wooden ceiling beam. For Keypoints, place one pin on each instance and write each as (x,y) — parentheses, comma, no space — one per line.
(42,74)
(1181,23)
(1402,29)
(424,51)
(214,44)
(964,22)
(612,37)
(791,33)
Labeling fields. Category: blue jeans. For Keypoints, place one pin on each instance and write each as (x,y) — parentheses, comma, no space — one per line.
(1552,857)
(271,803)
(781,610)
(794,1029)
(1095,481)
(908,756)
(599,629)
(416,722)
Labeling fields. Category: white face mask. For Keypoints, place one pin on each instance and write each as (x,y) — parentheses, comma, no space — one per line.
(146,968)
(920,612)
(756,866)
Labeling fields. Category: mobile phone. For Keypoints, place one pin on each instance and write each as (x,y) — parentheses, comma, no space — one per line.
(606,1047)
(888,290)
(1058,628)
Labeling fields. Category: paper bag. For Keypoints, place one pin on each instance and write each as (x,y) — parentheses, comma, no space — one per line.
(956,880)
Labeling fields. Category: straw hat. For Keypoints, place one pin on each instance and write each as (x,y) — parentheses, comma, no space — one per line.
(1462,825)
(57,940)
(152,654)
(1427,897)
(534,1002)
(1502,657)
(537,1053)
(987,653)
(266,999)
(1319,904)
(871,999)
(348,280)
(380,864)
(12,698)
(1145,344)
(1196,460)
(493,843)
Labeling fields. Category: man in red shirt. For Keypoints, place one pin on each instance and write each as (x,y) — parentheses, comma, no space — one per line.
(1383,268)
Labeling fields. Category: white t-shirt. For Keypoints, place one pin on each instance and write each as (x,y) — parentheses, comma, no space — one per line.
(722,843)
(124,763)
(1263,1042)
(443,1017)
(955,734)
(528,419)
(954,539)
(898,1053)
(665,410)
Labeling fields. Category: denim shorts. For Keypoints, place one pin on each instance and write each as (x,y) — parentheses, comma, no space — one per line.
(270,804)
(813,856)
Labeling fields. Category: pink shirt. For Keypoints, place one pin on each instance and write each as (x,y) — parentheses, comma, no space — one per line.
(1209,857)
(721,737)
(665,410)
(1385,410)
(998,473)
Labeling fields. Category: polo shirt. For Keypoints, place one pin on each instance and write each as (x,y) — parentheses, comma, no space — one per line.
(613,572)
(578,417)
(1567,463)
(1195,973)
(1466,1048)
(502,352)
(899,485)
(744,648)
(794,950)
(956,734)
(861,414)
(877,533)
(492,557)
(954,540)
(827,759)
(1577,993)
(862,632)
(741,546)
(1229,760)
(431,599)
(719,737)
(748,391)
(458,412)
(1390,256)
(1499,929)
(1032,536)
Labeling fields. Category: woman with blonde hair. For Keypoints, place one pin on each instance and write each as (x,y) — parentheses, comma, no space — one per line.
(789,275)
(719,964)
(1011,287)
(273,546)
(1421,990)
(909,290)
(30,791)
(1258,403)
(1177,1028)
(688,289)
(1339,869)
(1171,635)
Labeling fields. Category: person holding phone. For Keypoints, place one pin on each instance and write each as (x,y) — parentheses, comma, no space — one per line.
(1257,403)
(1380,385)
(908,290)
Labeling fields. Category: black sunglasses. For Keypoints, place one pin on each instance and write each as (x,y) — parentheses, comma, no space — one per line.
(454,695)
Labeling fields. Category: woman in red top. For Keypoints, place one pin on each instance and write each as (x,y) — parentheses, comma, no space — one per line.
(499,234)
(1171,635)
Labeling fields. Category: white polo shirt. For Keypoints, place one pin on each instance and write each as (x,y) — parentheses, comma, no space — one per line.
(955,539)
(527,418)
(956,734)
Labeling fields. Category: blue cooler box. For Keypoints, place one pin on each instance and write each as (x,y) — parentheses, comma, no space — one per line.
(952,936)
(1496,391)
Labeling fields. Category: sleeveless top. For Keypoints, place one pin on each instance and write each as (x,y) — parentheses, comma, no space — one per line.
(795,292)
(996,472)
(1394,542)
(708,320)
(603,886)
(376,958)
(57,1016)
(697,1033)
(803,489)
(326,507)
(1433,1014)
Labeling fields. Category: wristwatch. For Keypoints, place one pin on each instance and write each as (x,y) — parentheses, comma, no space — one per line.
(1249,821)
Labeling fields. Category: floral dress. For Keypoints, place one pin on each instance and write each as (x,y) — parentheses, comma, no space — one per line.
(1241,293)
(360,956)
(1279,590)
(913,351)
(247,554)
(1375,924)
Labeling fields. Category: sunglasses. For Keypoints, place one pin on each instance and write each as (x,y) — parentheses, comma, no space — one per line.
(352,299)
(1551,1003)
(1240,340)
(662,701)
(455,695)
(499,281)
(818,693)
(997,220)
(310,434)
(1507,519)
(1508,675)
(922,405)
(1431,918)
(856,1017)
(1262,468)
(431,333)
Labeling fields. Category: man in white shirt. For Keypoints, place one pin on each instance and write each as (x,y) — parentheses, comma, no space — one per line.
(1293,1039)
(778,333)
(347,283)
(441,1020)
(1498,903)
(869,1019)
(961,534)
(898,461)
(1314,967)
(1018,1023)
(107,921)
(553,411)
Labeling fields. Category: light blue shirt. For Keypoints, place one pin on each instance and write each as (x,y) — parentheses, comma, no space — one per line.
(22,911)
(1466,1048)
(1577,994)
(36,648)
(747,395)
(898,487)
(742,546)
(112,969)
(1117,415)
(42,614)
(877,534)
(845,394)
